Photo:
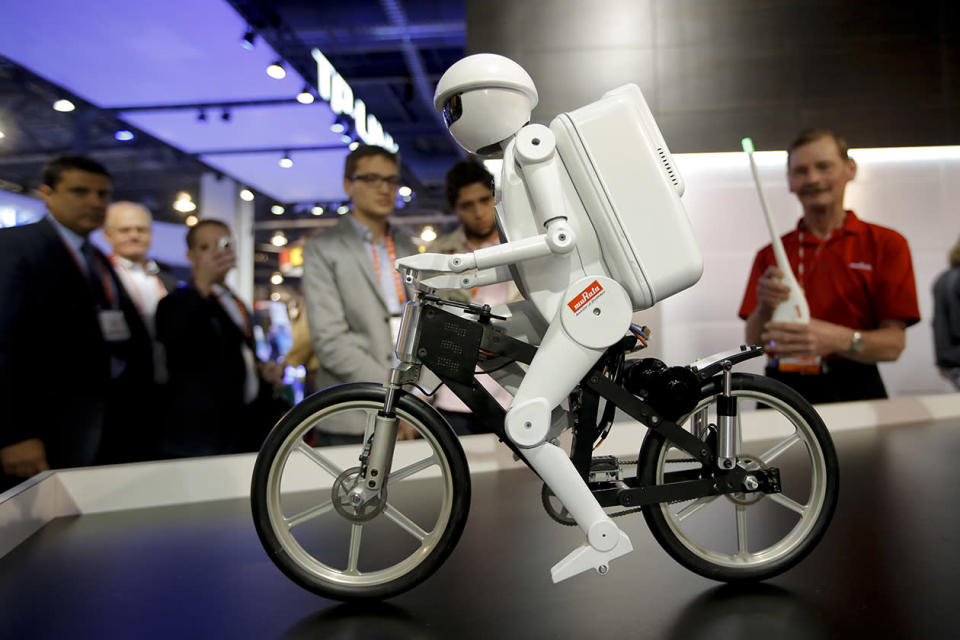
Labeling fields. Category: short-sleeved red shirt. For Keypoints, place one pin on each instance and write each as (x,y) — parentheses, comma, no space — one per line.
(858,277)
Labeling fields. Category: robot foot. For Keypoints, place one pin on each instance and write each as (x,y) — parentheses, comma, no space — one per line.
(586,557)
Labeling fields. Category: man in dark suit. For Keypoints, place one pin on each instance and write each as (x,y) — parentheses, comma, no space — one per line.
(219,396)
(74,353)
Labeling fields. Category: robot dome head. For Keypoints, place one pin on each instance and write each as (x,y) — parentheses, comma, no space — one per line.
(485,99)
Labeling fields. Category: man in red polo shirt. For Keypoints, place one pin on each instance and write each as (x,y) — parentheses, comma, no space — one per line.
(857,278)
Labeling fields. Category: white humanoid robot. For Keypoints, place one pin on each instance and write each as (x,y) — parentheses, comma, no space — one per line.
(594,230)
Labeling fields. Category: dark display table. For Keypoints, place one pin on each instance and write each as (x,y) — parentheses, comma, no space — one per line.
(886,568)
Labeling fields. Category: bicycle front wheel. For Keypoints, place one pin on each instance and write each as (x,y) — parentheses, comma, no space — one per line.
(309,516)
(751,535)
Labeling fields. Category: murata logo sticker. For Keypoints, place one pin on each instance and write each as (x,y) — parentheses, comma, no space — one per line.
(592,291)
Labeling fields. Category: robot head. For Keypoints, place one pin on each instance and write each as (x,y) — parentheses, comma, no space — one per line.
(485,99)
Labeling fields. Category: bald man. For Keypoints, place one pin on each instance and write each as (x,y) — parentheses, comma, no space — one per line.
(128,230)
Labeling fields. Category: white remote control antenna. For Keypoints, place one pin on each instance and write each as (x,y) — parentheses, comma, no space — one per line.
(795,308)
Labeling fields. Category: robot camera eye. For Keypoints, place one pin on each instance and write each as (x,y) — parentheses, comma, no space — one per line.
(453,109)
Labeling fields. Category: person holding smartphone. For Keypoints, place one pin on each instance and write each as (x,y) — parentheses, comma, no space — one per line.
(218,394)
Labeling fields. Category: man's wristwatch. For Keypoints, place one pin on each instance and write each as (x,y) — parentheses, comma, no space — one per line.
(856,342)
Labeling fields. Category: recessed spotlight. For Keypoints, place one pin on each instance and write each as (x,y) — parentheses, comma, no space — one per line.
(277,210)
(337,127)
(276,278)
(246,195)
(63,106)
(346,139)
(278,239)
(353,145)
(305,97)
(404,191)
(191,220)
(286,162)
(342,209)
(428,234)
(124,135)
(276,70)
(317,210)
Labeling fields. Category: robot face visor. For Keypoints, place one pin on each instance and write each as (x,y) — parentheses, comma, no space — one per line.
(453,109)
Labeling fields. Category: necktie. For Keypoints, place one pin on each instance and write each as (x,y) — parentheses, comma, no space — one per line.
(95,275)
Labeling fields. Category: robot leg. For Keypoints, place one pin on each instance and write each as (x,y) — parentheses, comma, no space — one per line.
(561,362)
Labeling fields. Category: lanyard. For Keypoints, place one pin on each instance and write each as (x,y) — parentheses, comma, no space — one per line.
(244,316)
(105,280)
(393,259)
(132,287)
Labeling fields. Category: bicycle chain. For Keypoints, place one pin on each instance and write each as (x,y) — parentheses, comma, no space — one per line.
(617,514)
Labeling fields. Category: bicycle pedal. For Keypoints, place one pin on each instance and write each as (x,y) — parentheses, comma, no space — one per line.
(605,469)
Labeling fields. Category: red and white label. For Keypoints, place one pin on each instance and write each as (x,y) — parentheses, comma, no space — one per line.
(592,291)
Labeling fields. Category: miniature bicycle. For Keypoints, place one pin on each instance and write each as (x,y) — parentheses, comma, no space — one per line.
(720,502)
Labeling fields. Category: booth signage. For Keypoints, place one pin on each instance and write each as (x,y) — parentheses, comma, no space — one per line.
(334,90)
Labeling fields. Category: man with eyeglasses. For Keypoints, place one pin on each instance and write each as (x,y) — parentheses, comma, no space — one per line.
(353,294)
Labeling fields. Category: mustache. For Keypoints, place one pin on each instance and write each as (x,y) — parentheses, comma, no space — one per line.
(812,189)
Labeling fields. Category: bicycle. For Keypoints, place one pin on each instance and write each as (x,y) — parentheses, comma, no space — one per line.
(679,470)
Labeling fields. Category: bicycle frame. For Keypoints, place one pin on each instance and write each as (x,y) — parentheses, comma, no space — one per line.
(451,347)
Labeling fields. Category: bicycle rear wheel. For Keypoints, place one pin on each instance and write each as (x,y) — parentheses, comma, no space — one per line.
(751,535)
(301,496)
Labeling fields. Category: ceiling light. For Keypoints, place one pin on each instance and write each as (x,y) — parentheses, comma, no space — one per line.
(124,135)
(185,205)
(275,296)
(317,210)
(305,97)
(191,220)
(353,145)
(407,198)
(63,106)
(277,210)
(249,40)
(225,116)
(404,190)
(428,234)
(202,116)
(2,135)
(278,239)
(276,70)
(286,162)
(246,195)
(346,139)
(342,209)
(338,127)
(276,278)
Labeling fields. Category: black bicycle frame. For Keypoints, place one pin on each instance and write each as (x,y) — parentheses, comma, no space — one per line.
(452,347)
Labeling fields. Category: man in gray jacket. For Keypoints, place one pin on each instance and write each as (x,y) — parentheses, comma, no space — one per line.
(350,286)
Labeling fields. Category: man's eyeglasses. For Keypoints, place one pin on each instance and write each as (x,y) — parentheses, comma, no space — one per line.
(374,180)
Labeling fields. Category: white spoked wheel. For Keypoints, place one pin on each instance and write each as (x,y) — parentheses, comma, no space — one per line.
(749,535)
(328,533)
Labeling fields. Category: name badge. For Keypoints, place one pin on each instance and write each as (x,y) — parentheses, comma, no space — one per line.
(113,325)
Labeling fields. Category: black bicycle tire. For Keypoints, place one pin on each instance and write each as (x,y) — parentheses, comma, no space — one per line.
(664,534)
(449,447)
